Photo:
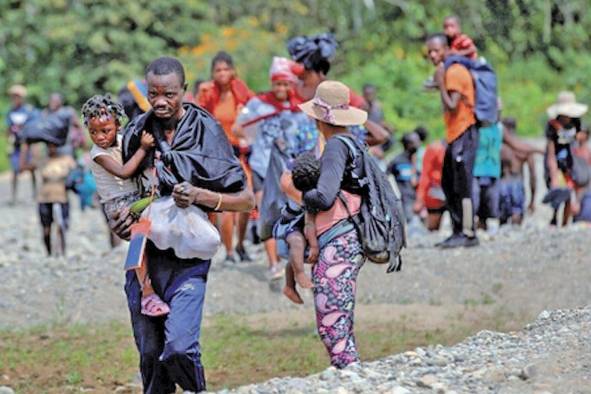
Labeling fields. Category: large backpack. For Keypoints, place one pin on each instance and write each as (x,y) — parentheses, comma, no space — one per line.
(485,85)
(380,222)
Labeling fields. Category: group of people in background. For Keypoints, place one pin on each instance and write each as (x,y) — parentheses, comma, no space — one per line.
(285,164)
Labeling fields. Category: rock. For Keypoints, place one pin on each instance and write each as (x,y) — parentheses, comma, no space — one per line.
(544,315)
(438,361)
(439,388)
(427,381)
(341,390)
(6,390)
(528,372)
(399,390)
(328,374)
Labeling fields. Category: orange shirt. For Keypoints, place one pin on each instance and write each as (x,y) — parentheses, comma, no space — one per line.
(458,79)
(226,112)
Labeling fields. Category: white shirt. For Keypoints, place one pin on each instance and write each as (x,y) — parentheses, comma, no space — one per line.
(109,186)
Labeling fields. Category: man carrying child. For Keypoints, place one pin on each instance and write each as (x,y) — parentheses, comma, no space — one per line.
(456,88)
(189,142)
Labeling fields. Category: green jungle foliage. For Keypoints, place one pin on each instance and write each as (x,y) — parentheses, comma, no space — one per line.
(82,47)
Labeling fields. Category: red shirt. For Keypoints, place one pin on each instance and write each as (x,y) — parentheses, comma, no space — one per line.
(431,175)
(462,43)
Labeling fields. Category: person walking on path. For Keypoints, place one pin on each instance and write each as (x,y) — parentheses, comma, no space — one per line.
(456,88)
(54,207)
(340,255)
(224,96)
(20,113)
(268,118)
(169,348)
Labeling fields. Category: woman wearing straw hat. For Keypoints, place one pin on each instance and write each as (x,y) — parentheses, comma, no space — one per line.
(563,124)
(340,258)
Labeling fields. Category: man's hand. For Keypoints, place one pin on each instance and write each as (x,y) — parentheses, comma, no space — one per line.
(185,194)
(121,223)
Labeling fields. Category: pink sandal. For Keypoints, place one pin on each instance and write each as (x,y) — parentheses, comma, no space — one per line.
(153,305)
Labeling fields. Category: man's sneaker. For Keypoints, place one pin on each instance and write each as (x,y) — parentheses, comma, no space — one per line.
(470,242)
(243,254)
(450,241)
(230,260)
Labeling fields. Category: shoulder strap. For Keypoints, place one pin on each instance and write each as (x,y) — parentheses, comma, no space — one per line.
(350,144)
(356,152)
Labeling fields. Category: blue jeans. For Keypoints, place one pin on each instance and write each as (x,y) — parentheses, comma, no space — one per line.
(169,345)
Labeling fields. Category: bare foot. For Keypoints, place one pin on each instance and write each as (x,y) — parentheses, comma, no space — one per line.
(303,281)
(293,295)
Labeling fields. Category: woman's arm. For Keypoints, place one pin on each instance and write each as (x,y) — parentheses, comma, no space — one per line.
(552,164)
(332,168)
(185,194)
(311,237)
(533,181)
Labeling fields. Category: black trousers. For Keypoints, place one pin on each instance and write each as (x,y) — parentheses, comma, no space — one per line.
(456,180)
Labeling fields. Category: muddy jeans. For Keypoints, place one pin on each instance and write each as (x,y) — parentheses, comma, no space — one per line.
(335,277)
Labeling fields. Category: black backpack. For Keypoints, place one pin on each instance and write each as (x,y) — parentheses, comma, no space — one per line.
(380,222)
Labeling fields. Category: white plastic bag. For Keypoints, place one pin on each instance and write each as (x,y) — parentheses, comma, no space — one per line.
(187,231)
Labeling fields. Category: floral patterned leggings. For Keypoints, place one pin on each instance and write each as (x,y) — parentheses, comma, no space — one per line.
(335,276)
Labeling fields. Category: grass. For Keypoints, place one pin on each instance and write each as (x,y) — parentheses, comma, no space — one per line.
(3,151)
(61,359)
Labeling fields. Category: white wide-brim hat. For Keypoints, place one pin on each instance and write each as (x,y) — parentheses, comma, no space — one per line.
(331,105)
(567,105)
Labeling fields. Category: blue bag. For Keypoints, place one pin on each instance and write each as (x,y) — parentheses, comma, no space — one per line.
(485,85)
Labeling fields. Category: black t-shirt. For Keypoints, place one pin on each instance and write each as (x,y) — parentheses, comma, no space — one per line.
(337,171)
(563,139)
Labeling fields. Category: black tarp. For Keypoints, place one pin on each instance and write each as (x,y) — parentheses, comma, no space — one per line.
(199,154)
(49,127)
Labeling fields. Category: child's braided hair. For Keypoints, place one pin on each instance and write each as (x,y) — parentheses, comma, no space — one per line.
(305,172)
(102,106)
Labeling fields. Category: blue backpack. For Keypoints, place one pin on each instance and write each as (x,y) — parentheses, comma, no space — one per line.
(485,85)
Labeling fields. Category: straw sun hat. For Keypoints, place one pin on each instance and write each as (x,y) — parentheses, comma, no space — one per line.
(331,105)
(17,90)
(566,105)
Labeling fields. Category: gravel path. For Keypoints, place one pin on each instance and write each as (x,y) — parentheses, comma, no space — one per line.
(522,271)
(551,355)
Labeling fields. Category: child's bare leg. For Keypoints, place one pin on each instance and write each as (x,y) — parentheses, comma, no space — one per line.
(297,247)
(142,276)
(290,290)
(152,304)
(566,214)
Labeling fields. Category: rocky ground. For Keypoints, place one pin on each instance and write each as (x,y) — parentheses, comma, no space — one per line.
(551,355)
(519,272)
(522,271)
